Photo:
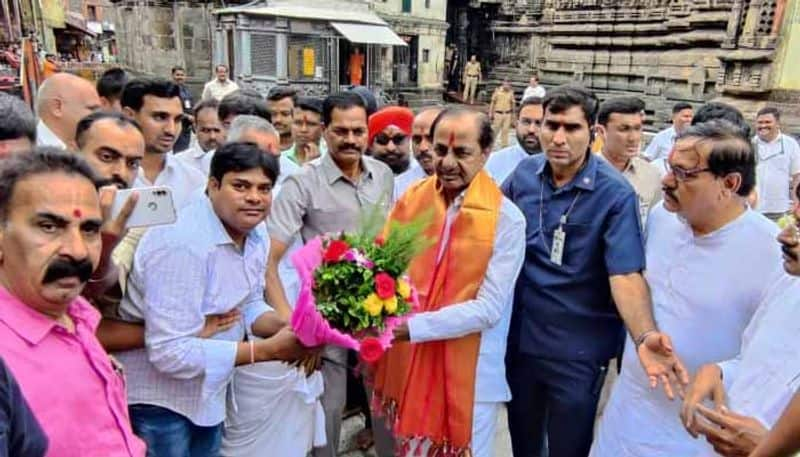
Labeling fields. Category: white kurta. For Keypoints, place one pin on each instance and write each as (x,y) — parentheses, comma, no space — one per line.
(778,162)
(490,314)
(704,289)
(762,380)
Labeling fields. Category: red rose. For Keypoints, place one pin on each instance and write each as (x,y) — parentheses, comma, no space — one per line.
(379,240)
(335,251)
(384,286)
(371,350)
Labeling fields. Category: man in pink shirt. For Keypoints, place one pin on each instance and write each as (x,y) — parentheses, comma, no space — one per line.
(50,242)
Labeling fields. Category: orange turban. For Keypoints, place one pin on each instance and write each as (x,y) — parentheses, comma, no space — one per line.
(398,116)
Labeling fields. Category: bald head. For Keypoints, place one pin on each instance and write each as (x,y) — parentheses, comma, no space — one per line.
(62,101)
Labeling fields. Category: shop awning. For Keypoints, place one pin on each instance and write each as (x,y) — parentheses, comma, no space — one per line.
(77,22)
(371,34)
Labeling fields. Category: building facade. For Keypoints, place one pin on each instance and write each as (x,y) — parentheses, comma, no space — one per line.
(663,51)
(422,24)
(313,46)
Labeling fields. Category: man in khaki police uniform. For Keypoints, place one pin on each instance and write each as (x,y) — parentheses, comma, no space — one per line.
(501,109)
(472,77)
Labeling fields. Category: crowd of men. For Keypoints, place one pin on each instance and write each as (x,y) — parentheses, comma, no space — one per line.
(546,262)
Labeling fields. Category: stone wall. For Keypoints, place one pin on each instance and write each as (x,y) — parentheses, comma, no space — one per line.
(663,51)
(156,36)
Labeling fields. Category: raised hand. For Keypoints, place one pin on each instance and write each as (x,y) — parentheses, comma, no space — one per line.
(661,364)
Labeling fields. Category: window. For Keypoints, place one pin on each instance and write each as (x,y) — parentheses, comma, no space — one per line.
(426,55)
(427,4)
(308,58)
(91,12)
(406,6)
(263,52)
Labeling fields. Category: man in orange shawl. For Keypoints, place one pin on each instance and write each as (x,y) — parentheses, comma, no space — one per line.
(442,383)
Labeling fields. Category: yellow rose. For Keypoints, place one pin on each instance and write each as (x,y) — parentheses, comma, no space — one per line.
(373,305)
(390,304)
(404,289)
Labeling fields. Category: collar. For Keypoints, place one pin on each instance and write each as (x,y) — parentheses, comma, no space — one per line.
(46,137)
(777,139)
(333,173)
(585,178)
(216,230)
(33,326)
(197,152)
(168,165)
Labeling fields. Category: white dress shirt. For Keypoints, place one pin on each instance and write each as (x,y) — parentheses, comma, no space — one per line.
(46,137)
(183,179)
(762,380)
(402,181)
(501,163)
(537,91)
(217,90)
(181,274)
(197,158)
(704,289)
(661,144)
(778,161)
(490,311)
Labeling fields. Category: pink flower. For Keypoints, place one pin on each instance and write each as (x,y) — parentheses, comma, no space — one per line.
(371,350)
(384,286)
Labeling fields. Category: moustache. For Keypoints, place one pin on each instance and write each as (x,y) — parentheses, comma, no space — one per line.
(61,268)
(788,252)
(350,146)
(669,191)
(113,181)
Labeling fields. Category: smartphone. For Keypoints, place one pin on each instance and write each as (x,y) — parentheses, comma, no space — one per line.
(154,207)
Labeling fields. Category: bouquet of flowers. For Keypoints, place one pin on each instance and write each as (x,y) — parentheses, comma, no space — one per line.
(354,290)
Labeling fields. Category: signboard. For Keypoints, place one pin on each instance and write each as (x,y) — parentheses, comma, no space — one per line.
(53,13)
(309,62)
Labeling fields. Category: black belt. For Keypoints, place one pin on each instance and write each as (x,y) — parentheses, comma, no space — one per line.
(502,112)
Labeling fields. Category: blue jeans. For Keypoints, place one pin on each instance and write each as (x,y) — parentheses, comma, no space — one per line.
(169,434)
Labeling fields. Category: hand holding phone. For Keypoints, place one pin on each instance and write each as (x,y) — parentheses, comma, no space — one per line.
(151,206)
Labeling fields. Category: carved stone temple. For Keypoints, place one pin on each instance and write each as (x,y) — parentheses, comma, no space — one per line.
(744,52)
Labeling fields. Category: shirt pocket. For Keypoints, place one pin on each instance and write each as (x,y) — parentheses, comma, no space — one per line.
(578,243)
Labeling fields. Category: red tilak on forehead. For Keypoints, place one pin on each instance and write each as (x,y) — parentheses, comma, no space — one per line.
(305,119)
(77,213)
(452,140)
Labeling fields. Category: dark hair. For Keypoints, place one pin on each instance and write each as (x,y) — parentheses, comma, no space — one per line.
(209,103)
(370,102)
(312,104)
(716,110)
(87,122)
(177,68)
(216,67)
(136,89)
(533,100)
(486,135)
(341,101)
(769,110)
(565,97)
(281,92)
(111,83)
(237,157)
(249,92)
(237,104)
(680,106)
(619,105)
(41,160)
(17,119)
(730,152)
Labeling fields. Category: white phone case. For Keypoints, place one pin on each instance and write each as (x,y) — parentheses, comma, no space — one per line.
(154,207)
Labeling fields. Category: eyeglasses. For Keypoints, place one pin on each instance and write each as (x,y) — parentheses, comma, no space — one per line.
(682,174)
(384,139)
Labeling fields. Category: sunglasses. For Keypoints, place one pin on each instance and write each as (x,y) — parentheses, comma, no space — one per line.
(384,139)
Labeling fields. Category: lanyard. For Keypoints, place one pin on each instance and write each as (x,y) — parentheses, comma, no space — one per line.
(562,221)
(780,153)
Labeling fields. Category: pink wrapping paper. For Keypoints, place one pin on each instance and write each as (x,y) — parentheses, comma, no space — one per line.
(309,325)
